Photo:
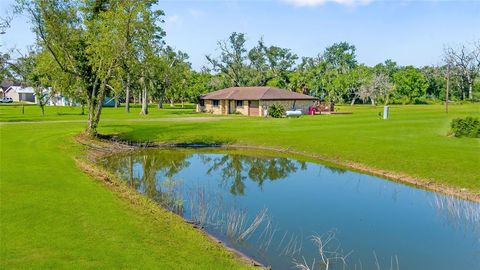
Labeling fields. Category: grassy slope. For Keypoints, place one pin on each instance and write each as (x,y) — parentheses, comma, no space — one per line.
(54,216)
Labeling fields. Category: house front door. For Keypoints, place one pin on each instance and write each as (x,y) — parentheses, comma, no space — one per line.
(230,106)
(253,108)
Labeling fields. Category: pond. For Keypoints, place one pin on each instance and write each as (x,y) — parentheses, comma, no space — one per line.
(282,211)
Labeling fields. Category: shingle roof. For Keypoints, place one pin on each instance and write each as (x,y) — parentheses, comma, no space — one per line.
(256,93)
(6,84)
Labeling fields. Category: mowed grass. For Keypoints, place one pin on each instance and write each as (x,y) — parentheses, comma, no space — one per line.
(412,141)
(17,112)
(52,215)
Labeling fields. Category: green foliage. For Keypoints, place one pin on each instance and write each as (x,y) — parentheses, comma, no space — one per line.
(466,127)
(276,110)
(341,56)
(90,41)
(410,83)
(260,66)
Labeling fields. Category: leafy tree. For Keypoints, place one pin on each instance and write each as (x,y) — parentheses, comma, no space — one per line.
(270,65)
(389,67)
(410,83)
(199,83)
(232,60)
(84,38)
(28,68)
(260,66)
(435,77)
(340,56)
(334,71)
(170,72)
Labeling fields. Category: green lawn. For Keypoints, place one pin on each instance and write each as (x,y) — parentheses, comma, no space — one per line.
(13,112)
(52,215)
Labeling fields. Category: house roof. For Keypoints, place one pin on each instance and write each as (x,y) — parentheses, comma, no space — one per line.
(6,84)
(20,89)
(256,93)
(27,90)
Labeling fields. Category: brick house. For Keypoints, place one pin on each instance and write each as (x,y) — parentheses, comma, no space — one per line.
(252,101)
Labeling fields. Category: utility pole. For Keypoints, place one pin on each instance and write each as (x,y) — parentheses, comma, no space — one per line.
(446,92)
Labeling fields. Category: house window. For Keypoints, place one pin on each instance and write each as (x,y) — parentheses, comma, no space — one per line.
(216,103)
(202,102)
(239,103)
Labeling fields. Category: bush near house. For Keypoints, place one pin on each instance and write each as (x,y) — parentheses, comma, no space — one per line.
(276,110)
(466,127)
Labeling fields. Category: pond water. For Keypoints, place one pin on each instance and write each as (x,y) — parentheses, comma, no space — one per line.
(280,211)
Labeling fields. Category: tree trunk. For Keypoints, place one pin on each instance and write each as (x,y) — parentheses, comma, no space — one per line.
(160,102)
(116,101)
(144,110)
(353,101)
(171,102)
(127,94)
(373,101)
(43,109)
(470,88)
(95,104)
(83,109)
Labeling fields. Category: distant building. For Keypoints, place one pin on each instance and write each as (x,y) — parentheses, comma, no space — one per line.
(20,93)
(252,101)
(5,85)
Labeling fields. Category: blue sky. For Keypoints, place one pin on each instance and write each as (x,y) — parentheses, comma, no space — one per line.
(409,32)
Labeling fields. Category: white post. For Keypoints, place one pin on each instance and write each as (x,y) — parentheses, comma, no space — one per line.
(385,112)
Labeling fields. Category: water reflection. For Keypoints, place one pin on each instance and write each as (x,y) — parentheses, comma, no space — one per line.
(235,169)
(271,207)
(153,175)
(461,214)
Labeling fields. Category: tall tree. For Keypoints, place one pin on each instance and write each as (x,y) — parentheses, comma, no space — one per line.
(232,60)
(340,56)
(463,62)
(270,65)
(84,38)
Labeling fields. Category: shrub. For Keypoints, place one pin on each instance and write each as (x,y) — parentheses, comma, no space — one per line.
(276,110)
(420,100)
(466,127)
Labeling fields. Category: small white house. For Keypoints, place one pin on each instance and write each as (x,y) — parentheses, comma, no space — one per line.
(20,94)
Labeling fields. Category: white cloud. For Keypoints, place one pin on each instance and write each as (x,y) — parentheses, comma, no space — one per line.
(173,20)
(312,3)
(196,13)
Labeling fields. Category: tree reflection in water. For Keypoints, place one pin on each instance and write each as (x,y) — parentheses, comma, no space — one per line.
(165,190)
(235,168)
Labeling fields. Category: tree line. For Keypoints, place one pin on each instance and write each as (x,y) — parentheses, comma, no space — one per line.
(335,74)
(92,49)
